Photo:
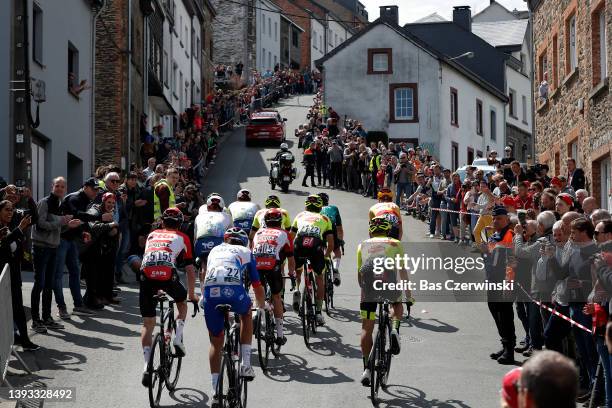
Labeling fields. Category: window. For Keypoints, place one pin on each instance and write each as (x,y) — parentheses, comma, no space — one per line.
(572,151)
(524,101)
(493,124)
(186,40)
(570,45)
(269,27)
(275,59)
(193,44)
(37,34)
(321,43)
(173,78)
(73,67)
(198,50)
(454,107)
(598,45)
(166,69)
(542,66)
(263,23)
(380,61)
(512,103)
(403,103)
(314,40)
(269,59)
(180,86)
(454,155)
(470,155)
(263,57)
(478,118)
(275,31)
(294,38)
(523,59)
(329,37)
(335,40)
(180,29)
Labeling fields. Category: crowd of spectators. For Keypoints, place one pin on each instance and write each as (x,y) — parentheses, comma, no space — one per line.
(97,231)
(547,234)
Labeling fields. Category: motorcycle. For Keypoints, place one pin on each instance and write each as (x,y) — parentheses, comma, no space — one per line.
(282,172)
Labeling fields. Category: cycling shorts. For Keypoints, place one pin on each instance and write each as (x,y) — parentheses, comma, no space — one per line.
(244,225)
(149,288)
(309,248)
(368,310)
(204,245)
(234,295)
(273,278)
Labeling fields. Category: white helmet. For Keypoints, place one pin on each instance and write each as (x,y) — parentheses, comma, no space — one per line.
(244,195)
(215,198)
(284,146)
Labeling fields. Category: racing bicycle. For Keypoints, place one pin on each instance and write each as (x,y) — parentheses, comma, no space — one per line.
(329,285)
(164,365)
(307,310)
(231,388)
(379,361)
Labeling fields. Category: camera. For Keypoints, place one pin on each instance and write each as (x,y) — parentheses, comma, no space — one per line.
(23,212)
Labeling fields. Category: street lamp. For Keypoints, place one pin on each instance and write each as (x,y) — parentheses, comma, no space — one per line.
(469,54)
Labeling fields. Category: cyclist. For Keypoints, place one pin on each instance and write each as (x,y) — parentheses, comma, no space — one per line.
(271,246)
(228,263)
(210,225)
(314,241)
(333,213)
(388,209)
(243,211)
(380,244)
(271,202)
(165,250)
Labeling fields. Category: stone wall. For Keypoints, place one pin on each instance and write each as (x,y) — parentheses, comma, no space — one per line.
(577,110)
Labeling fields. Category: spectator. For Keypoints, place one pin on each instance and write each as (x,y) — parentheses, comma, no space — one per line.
(45,241)
(506,162)
(484,206)
(523,200)
(492,160)
(549,379)
(600,215)
(563,204)
(150,169)
(12,241)
(575,176)
(509,391)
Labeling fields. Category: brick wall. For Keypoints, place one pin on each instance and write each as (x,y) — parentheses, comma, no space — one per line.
(560,120)
(111,80)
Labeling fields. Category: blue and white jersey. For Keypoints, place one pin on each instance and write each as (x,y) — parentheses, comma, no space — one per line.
(243,214)
(227,265)
(212,224)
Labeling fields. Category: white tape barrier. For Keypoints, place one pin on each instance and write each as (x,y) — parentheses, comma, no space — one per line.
(6,321)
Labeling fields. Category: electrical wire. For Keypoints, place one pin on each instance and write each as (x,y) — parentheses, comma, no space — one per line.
(292,15)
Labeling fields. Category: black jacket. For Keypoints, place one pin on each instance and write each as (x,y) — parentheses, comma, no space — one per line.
(103,244)
(578,181)
(11,253)
(76,204)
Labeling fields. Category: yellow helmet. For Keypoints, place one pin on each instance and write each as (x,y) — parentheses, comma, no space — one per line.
(380,225)
(385,194)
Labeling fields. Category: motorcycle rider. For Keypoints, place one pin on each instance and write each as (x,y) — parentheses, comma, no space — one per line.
(284,148)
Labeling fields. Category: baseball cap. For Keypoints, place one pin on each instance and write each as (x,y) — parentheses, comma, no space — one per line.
(567,198)
(499,210)
(556,181)
(509,389)
(92,182)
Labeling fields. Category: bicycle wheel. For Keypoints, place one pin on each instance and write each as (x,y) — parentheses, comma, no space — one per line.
(305,317)
(373,363)
(312,302)
(326,297)
(387,355)
(271,334)
(156,367)
(173,364)
(242,393)
(224,384)
(262,343)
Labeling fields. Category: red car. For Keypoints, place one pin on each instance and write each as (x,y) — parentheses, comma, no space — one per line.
(265,125)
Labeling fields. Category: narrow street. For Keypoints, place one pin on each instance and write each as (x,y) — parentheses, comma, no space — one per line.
(444,360)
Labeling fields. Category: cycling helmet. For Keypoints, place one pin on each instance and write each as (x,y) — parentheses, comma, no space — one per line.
(272,202)
(236,236)
(244,195)
(273,216)
(215,199)
(385,194)
(380,225)
(284,146)
(172,217)
(314,203)
(325,198)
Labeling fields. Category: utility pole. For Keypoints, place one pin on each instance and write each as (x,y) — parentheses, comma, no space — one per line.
(19,118)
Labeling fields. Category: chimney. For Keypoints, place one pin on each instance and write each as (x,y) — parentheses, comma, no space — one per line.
(462,16)
(390,14)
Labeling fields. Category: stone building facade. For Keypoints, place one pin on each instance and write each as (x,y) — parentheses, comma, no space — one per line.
(234,35)
(207,48)
(574,119)
(117,116)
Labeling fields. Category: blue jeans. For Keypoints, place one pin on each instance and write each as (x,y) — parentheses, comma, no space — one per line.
(606,362)
(43,260)
(584,340)
(124,246)
(434,203)
(402,188)
(557,329)
(68,254)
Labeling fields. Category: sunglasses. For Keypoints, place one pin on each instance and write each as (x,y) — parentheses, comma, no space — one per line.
(596,233)
(113,181)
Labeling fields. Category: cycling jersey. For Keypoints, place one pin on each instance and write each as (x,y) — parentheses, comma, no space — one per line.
(224,283)
(210,226)
(311,224)
(164,248)
(332,212)
(243,213)
(268,245)
(259,222)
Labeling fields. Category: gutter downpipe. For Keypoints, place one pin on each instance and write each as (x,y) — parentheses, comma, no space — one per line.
(129,91)
(93,87)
